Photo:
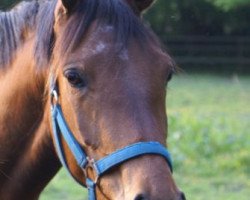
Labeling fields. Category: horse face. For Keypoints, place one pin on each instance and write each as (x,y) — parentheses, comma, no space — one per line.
(113,96)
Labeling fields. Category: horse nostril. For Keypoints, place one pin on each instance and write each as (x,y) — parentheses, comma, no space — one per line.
(182,196)
(140,197)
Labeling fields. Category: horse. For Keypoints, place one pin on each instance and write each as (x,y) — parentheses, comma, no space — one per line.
(90,69)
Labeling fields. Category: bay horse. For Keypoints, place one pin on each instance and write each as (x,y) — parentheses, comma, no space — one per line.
(104,73)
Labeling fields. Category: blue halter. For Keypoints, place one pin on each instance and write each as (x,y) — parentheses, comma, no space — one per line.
(60,128)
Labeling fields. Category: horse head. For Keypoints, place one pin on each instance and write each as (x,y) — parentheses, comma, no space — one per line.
(109,75)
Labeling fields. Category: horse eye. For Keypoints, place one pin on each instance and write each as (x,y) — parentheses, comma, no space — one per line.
(75,78)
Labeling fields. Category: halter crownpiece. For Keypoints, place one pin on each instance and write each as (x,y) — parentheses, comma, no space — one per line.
(100,167)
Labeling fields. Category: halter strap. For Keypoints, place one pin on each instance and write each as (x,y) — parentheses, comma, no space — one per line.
(60,128)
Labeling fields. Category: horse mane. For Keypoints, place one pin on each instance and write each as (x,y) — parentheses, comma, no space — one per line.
(44,33)
(13,26)
(16,23)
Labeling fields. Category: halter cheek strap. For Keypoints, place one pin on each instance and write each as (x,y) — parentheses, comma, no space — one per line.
(60,128)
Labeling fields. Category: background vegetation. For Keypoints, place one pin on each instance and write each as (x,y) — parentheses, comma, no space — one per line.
(200,17)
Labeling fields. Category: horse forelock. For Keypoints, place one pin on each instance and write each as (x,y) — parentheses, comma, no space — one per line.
(109,13)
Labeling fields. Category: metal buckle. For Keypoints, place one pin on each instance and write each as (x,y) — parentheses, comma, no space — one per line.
(91,166)
(53,98)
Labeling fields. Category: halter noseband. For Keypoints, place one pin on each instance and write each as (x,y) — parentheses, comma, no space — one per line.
(100,167)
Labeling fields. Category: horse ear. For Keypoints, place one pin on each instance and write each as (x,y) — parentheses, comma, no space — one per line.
(68,5)
(140,5)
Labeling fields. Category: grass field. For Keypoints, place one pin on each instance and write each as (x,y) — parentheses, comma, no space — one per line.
(209,137)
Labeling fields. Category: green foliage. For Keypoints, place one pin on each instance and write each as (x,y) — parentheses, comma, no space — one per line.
(4,4)
(229,4)
(208,137)
(200,17)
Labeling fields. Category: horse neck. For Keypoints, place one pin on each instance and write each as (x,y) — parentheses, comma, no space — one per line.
(33,169)
(27,158)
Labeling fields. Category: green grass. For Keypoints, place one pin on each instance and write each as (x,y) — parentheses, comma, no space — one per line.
(209,138)
(62,187)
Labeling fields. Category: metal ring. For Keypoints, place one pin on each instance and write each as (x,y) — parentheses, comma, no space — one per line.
(91,166)
(54,97)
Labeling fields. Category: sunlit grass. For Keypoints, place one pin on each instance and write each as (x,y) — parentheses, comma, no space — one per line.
(209,124)
(209,138)
(63,187)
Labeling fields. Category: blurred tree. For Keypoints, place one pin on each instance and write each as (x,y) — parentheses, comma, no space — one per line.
(4,4)
(229,4)
(186,17)
(200,17)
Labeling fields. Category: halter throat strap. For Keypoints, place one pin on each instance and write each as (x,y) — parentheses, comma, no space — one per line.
(60,128)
